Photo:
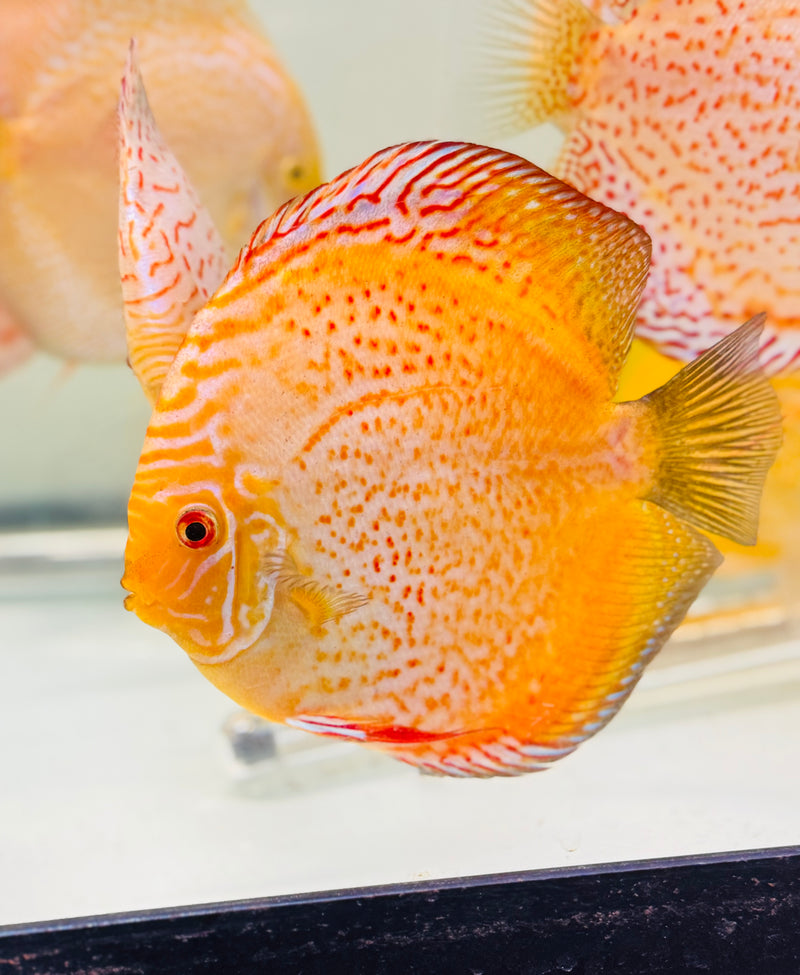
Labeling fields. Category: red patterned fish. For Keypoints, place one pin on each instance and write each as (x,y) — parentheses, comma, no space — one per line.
(385,493)
(684,115)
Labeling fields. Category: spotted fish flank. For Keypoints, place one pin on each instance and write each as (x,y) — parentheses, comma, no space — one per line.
(214,81)
(682,114)
(385,494)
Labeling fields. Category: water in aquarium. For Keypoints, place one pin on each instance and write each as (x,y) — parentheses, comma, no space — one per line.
(427,374)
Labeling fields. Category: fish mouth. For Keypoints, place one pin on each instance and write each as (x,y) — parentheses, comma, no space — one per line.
(129,599)
(134,601)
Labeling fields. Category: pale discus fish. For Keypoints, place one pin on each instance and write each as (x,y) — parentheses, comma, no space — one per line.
(215,81)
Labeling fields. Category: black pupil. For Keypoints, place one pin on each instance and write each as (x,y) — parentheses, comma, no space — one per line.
(196,531)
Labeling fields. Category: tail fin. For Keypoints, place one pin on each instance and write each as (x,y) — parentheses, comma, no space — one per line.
(532,47)
(718,427)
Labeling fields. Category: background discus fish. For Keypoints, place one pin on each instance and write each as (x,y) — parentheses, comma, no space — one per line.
(385,493)
(684,115)
(215,82)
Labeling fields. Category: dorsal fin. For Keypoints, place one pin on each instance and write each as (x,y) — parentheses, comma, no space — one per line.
(532,50)
(535,54)
(585,260)
(171,257)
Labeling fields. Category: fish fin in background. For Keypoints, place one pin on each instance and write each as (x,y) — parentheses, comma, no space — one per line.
(65,374)
(532,46)
(171,256)
(717,424)
(446,186)
(321,604)
(15,345)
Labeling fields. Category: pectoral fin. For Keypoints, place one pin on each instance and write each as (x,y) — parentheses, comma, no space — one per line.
(320,603)
(171,257)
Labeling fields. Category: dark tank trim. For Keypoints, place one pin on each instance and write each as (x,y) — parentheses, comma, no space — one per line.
(729,913)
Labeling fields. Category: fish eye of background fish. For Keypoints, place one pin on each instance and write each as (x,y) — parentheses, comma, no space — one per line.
(294,173)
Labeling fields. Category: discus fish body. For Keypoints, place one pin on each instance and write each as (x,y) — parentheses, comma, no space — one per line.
(215,82)
(683,114)
(386,494)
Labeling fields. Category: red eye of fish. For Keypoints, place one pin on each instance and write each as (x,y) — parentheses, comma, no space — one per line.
(196,527)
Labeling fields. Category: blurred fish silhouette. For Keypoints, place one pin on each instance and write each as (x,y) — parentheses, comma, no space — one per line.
(385,493)
(233,116)
(684,115)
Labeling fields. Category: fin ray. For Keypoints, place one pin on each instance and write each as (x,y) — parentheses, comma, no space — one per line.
(366,730)
(320,603)
(532,47)
(659,567)
(718,427)
(171,257)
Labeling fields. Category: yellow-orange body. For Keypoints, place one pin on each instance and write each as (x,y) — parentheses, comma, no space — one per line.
(215,83)
(429,521)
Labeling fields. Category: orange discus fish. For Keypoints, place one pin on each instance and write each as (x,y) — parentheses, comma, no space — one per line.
(385,493)
(684,115)
(216,83)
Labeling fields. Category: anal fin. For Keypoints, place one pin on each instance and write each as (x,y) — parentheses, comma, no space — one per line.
(637,581)
(374,732)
